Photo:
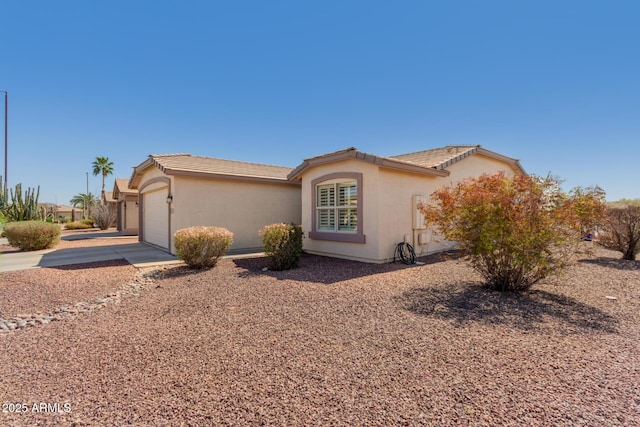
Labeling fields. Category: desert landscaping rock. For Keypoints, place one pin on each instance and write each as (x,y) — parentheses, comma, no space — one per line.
(333,342)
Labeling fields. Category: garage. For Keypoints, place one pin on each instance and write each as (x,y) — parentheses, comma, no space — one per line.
(155,217)
(177,191)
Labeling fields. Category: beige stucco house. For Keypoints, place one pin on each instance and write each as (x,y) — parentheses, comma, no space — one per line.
(126,200)
(351,204)
(180,190)
(360,206)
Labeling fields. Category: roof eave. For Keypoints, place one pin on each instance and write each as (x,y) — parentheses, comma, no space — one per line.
(231,177)
(352,153)
(515,163)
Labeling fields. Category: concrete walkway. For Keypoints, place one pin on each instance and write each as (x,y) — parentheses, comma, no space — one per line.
(138,254)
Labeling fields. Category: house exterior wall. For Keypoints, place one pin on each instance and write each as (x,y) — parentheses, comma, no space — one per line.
(475,166)
(388,207)
(242,207)
(370,194)
(128,215)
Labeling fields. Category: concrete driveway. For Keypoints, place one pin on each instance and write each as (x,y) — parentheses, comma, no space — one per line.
(138,254)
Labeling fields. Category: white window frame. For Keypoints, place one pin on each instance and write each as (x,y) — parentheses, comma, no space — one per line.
(331,229)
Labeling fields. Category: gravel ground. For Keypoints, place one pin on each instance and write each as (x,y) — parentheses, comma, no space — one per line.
(333,342)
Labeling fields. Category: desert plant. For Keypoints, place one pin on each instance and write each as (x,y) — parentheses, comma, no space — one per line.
(621,231)
(103,216)
(32,235)
(18,207)
(517,230)
(77,225)
(282,245)
(202,246)
(85,201)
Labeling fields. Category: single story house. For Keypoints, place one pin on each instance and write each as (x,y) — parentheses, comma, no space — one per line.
(176,191)
(62,212)
(351,204)
(360,206)
(126,200)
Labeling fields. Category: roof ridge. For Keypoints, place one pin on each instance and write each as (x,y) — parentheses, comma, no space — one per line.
(223,159)
(438,148)
(169,154)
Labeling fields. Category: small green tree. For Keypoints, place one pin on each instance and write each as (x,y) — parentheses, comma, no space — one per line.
(621,231)
(517,230)
(84,200)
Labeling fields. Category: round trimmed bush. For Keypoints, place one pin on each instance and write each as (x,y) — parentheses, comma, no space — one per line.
(282,245)
(32,235)
(201,246)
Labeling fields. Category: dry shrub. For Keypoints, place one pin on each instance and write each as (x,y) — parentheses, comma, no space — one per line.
(32,235)
(201,246)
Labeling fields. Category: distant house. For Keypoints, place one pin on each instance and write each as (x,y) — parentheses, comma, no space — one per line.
(62,212)
(180,190)
(351,204)
(126,202)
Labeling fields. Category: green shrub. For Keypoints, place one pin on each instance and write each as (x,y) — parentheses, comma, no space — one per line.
(78,225)
(201,246)
(88,221)
(282,245)
(32,235)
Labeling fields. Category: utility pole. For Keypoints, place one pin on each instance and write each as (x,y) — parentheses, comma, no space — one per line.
(86,207)
(6,127)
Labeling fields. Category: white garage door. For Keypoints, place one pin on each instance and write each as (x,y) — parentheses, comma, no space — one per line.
(155,217)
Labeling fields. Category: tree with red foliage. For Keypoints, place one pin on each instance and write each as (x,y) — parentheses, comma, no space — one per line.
(516,230)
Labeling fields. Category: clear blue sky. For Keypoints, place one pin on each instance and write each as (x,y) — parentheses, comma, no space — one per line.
(555,84)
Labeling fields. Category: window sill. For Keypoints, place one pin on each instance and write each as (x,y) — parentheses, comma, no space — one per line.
(337,237)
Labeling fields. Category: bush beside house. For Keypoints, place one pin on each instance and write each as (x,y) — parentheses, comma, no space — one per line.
(282,245)
(200,246)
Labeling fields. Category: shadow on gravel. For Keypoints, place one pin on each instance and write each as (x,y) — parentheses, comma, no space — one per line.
(92,234)
(327,270)
(619,263)
(471,302)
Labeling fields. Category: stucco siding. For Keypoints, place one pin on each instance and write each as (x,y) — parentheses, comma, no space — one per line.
(477,165)
(370,185)
(241,207)
(396,211)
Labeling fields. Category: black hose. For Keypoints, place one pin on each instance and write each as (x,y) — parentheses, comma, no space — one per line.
(405,252)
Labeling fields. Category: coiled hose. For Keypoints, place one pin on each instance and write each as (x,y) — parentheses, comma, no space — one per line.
(406,254)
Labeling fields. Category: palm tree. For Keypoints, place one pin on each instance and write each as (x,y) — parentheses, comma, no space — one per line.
(86,200)
(102,166)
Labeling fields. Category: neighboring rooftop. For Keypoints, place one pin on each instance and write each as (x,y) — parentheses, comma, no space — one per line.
(122,187)
(186,164)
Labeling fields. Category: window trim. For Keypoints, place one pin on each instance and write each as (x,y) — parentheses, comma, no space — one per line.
(337,236)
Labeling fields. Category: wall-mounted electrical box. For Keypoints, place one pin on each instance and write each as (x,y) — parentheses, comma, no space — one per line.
(418,218)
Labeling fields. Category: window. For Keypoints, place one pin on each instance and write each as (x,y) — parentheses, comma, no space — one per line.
(337,210)
(337,213)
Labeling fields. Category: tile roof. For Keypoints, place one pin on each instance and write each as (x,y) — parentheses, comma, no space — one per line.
(438,158)
(210,165)
(122,187)
(432,162)
(108,197)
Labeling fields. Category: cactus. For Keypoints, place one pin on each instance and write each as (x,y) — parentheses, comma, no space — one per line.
(15,207)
